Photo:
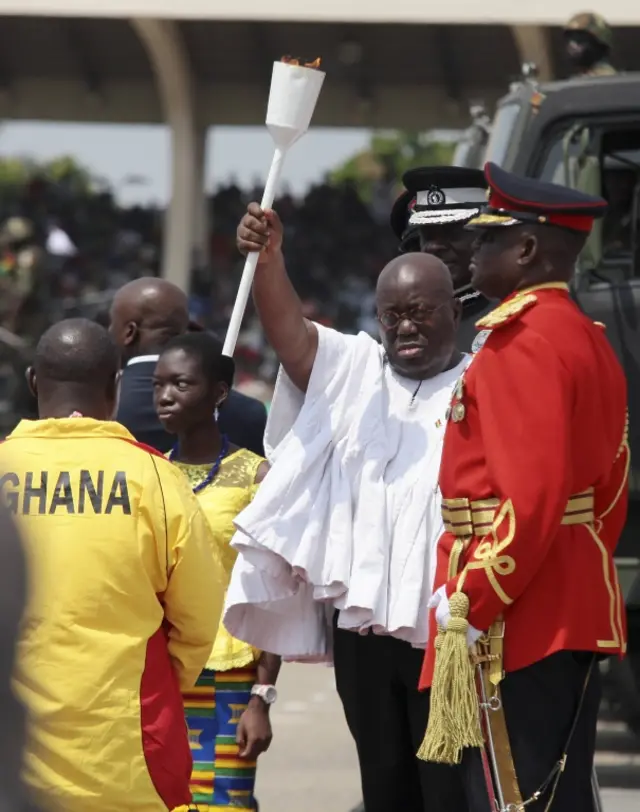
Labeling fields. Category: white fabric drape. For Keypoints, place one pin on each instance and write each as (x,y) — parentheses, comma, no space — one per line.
(349,514)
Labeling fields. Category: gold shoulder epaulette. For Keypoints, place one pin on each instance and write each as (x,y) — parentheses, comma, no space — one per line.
(507,312)
(600,324)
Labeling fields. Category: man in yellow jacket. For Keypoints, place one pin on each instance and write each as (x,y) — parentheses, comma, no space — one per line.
(126,590)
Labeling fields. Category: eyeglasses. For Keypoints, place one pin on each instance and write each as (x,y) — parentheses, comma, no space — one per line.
(389,319)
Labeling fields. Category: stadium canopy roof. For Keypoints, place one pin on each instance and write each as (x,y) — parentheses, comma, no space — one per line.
(388,75)
(191,64)
(505,12)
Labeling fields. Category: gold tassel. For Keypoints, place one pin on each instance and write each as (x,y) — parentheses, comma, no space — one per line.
(454,714)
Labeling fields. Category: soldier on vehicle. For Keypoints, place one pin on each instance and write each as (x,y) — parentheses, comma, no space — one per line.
(589,41)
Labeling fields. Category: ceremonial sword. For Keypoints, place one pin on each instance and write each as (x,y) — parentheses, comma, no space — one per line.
(494,785)
(595,789)
(492,775)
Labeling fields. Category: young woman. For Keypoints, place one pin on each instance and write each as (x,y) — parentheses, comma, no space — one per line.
(228,710)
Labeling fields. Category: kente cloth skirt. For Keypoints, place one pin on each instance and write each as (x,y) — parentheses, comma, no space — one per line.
(220,779)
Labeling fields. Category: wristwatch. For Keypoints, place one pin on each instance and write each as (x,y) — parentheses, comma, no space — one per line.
(267,693)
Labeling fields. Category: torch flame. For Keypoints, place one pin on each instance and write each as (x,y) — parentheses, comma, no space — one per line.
(292,60)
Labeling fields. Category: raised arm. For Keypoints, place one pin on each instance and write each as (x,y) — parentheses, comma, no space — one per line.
(294,338)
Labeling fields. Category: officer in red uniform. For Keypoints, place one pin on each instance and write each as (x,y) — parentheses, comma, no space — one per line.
(534,485)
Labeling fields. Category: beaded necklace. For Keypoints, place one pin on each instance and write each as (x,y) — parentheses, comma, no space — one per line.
(213,471)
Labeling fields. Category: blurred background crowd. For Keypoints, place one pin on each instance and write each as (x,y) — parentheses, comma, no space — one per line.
(66,246)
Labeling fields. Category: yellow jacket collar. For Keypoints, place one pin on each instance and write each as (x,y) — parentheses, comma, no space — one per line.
(68,427)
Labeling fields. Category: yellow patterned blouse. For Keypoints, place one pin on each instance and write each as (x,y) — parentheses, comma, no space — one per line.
(229,493)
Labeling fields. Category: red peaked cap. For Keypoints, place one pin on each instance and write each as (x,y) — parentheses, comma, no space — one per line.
(530,200)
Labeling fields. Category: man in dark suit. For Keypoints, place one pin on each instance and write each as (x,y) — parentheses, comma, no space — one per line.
(145,315)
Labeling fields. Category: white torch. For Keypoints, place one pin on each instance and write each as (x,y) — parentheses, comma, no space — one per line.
(294,92)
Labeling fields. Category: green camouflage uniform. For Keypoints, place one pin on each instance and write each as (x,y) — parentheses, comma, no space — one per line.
(23,314)
(600,29)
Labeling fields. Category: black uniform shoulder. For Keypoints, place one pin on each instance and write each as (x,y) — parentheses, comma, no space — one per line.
(473,308)
(249,407)
(244,419)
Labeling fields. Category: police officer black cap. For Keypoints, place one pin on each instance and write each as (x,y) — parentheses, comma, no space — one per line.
(437,195)
(513,200)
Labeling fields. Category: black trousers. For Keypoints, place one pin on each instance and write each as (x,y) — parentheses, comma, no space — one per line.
(540,704)
(377,680)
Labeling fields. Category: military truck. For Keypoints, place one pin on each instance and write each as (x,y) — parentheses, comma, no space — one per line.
(472,145)
(585,134)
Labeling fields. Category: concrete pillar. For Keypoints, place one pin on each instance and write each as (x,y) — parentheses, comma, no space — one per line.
(170,62)
(533,46)
(201,225)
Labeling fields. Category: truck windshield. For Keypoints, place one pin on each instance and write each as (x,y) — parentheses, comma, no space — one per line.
(501,131)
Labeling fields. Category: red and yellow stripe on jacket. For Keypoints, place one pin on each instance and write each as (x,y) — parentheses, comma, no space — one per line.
(127,591)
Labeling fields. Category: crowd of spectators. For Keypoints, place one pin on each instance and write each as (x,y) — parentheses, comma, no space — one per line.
(335,246)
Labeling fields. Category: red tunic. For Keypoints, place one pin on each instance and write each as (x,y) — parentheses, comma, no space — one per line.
(544,419)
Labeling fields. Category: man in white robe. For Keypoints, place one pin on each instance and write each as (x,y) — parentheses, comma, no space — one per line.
(349,514)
